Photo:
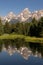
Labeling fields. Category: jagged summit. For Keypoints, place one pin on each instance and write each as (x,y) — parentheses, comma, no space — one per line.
(26,10)
(24,15)
(11,14)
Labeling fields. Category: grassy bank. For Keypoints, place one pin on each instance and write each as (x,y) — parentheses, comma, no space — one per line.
(26,38)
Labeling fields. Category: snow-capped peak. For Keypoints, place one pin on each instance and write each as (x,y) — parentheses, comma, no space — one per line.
(26,10)
(11,15)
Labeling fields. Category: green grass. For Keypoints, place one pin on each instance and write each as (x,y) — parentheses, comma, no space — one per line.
(26,38)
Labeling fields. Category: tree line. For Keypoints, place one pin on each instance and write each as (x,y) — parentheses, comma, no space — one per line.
(33,28)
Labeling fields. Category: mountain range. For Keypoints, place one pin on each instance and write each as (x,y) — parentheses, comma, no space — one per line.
(25,15)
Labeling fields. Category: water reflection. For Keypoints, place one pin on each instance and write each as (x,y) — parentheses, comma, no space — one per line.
(21,47)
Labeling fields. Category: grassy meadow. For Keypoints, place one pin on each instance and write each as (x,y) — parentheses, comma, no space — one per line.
(26,38)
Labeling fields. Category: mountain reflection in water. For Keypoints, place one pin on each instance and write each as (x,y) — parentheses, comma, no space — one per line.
(23,48)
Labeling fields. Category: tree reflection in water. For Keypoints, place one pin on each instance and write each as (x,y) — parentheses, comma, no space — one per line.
(22,47)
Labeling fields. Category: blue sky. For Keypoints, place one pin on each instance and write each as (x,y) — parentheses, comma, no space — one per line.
(17,6)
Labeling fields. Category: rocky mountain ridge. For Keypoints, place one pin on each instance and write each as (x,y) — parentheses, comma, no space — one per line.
(23,16)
